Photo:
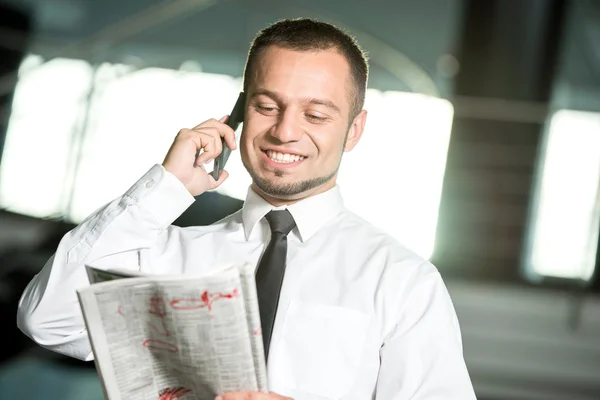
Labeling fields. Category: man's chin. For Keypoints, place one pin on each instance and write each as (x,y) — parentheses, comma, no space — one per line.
(292,190)
(281,190)
(287,187)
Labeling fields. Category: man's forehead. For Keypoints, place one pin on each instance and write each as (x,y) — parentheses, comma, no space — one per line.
(325,62)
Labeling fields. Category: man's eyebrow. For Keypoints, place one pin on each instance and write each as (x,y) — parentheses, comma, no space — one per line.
(320,102)
(268,93)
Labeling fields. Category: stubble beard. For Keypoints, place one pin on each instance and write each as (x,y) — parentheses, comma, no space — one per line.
(289,189)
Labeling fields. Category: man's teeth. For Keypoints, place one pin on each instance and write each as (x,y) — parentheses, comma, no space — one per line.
(283,157)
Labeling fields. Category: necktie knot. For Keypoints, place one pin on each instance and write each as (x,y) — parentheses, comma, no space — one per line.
(280,221)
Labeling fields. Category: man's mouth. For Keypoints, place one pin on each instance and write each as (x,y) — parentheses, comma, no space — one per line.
(283,158)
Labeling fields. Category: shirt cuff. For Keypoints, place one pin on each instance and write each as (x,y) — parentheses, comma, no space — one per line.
(161,194)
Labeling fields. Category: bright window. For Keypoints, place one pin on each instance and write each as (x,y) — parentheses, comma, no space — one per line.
(393,178)
(135,117)
(46,116)
(566,216)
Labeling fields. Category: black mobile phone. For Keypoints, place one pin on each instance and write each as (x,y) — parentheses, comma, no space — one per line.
(236,117)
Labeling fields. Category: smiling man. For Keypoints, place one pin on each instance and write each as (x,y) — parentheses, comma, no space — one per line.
(299,121)
(347,312)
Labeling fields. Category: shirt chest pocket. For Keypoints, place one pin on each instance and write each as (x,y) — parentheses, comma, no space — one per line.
(320,348)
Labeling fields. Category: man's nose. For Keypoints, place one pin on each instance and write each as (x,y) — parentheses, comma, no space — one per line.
(288,128)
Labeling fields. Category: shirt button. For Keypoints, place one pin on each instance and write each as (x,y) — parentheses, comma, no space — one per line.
(149,184)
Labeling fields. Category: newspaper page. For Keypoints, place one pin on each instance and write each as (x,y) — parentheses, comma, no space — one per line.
(174,337)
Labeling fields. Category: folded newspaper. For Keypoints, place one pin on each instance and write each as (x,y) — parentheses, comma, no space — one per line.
(157,337)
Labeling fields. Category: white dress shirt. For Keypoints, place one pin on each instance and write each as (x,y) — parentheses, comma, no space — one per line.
(360,316)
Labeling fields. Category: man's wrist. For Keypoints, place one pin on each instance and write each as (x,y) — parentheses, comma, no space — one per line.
(162,195)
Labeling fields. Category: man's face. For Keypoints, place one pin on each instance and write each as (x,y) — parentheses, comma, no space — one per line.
(297,122)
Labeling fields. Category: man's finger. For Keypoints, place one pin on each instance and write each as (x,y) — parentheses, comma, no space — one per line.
(227,133)
(215,184)
(219,130)
(204,158)
(230,140)
(211,147)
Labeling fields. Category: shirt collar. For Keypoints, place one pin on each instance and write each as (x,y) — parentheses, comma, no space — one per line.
(309,214)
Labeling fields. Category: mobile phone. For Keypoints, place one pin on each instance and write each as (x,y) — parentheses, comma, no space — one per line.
(236,117)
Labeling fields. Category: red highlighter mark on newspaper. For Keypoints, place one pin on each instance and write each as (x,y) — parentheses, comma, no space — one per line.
(157,344)
(157,307)
(159,310)
(206,299)
(120,311)
(172,393)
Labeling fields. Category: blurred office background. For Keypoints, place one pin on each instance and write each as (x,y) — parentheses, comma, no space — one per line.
(482,153)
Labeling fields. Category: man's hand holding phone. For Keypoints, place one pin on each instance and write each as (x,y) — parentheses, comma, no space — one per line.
(192,148)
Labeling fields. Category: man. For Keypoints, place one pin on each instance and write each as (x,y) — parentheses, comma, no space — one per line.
(359,316)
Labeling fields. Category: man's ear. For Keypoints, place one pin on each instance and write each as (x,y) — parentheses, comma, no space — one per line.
(356,130)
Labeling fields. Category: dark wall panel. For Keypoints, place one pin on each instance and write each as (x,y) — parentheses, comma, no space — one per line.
(508,52)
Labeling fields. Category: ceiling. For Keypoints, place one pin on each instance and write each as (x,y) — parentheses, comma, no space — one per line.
(217,33)
(408,40)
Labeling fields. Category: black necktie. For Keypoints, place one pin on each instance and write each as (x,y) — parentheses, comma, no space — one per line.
(271,269)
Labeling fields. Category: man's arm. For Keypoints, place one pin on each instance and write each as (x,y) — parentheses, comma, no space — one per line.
(421,358)
(116,234)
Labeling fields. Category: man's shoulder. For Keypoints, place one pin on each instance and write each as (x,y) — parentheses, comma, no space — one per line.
(366,229)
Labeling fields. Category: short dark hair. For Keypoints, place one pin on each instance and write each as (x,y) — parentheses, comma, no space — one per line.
(304,34)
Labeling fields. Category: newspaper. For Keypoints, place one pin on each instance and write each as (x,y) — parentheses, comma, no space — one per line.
(174,337)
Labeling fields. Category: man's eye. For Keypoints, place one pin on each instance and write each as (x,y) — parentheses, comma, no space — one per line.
(315,118)
(266,110)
